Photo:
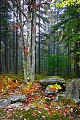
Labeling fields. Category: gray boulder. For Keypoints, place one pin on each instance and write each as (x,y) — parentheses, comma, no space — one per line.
(52,81)
(13,99)
(72,90)
(18,98)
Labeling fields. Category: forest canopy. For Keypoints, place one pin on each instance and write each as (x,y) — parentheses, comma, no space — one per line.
(40,36)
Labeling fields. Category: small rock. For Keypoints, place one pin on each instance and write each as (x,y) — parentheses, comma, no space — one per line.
(26,108)
(48,91)
(77,101)
(18,98)
(4,102)
(15,105)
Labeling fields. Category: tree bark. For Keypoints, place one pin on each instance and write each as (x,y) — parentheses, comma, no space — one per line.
(33,26)
(0,47)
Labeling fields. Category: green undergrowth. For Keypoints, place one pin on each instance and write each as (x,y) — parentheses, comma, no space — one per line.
(19,77)
(31,114)
(38,77)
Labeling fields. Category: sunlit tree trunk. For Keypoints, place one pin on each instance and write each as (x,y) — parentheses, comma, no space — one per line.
(0,39)
(33,37)
(29,41)
(0,47)
(23,46)
(39,62)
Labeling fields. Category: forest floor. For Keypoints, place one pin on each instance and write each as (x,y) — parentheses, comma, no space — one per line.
(37,106)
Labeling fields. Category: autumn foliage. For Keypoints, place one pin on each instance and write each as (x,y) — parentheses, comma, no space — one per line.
(24,48)
(39,105)
(14,26)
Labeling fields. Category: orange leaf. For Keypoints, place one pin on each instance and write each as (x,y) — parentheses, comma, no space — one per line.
(52,88)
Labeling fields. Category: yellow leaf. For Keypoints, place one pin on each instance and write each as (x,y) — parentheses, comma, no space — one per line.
(56,86)
(28,86)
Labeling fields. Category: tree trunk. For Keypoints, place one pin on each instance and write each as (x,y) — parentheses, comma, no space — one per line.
(77,68)
(39,64)
(33,26)
(16,65)
(6,45)
(0,47)
(29,43)
(23,45)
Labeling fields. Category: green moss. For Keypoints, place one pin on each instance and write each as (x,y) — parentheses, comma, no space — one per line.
(58,116)
(3,114)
